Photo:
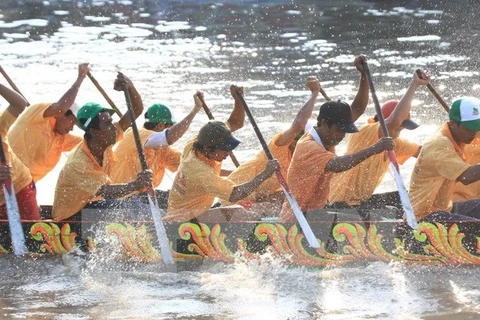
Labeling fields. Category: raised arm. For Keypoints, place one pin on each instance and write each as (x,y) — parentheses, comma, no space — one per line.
(346,162)
(303,115)
(402,110)
(16,101)
(68,98)
(137,103)
(360,102)
(176,131)
(237,117)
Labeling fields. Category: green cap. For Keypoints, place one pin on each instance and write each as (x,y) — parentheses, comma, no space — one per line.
(88,112)
(159,113)
(467,112)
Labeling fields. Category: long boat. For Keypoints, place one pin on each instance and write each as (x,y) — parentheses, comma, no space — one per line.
(227,234)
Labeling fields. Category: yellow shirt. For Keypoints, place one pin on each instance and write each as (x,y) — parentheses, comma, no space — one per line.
(307,178)
(128,163)
(33,140)
(250,169)
(439,164)
(358,184)
(472,191)
(20,175)
(80,179)
(196,185)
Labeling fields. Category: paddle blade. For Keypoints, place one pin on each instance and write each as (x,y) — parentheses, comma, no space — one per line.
(13,213)
(307,231)
(402,190)
(161,232)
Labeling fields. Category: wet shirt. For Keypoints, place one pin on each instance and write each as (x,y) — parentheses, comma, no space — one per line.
(128,163)
(196,185)
(250,169)
(307,177)
(21,176)
(472,191)
(80,179)
(33,140)
(438,166)
(358,184)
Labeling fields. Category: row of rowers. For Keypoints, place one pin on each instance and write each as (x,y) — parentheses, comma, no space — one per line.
(442,184)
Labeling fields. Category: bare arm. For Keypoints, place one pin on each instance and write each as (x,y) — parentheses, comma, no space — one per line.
(113,191)
(137,103)
(237,117)
(303,115)
(346,162)
(241,191)
(68,98)
(176,131)
(360,102)
(16,101)
(401,111)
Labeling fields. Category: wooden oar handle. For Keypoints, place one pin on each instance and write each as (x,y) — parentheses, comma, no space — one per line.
(378,109)
(325,95)
(104,94)
(435,94)
(11,83)
(210,116)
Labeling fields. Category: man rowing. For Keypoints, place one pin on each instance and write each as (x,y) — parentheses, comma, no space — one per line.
(314,161)
(441,164)
(42,132)
(198,181)
(464,192)
(282,146)
(159,132)
(86,174)
(356,186)
(15,169)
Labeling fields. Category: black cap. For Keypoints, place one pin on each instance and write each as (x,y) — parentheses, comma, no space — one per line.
(339,113)
(216,133)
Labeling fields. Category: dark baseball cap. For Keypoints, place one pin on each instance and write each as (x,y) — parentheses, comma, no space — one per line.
(216,133)
(339,113)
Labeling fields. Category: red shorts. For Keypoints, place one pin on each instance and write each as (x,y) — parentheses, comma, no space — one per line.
(27,204)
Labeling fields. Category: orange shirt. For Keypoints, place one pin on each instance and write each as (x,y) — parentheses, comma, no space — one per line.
(128,164)
(196,185)
(80,179)
(439,164)
(307,177)
(472,191)
(358,184)
(21,177)
(33,140)
(250,169)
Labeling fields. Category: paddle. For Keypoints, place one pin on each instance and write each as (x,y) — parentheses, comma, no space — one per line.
(11,83)
(407,206)
(156,211)
(210,116)
(324,94)
(13,213)
(104,94)
(436,95)
(307,231)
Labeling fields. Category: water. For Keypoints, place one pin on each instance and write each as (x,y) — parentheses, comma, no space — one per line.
(171,49)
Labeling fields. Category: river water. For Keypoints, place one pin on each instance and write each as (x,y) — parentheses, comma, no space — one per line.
(171,49)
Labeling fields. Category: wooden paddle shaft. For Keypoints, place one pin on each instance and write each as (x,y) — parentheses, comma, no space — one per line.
(104,94)
(210,116)
(325,95)
(435,94)
(11,83)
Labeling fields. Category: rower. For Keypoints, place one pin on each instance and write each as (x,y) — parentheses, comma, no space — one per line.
(314,161)
(42,132)
(441,164)
(356,186)
(199,181)
(86,174)
(282,146)
(23,183)
(159,132)
(471,191)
